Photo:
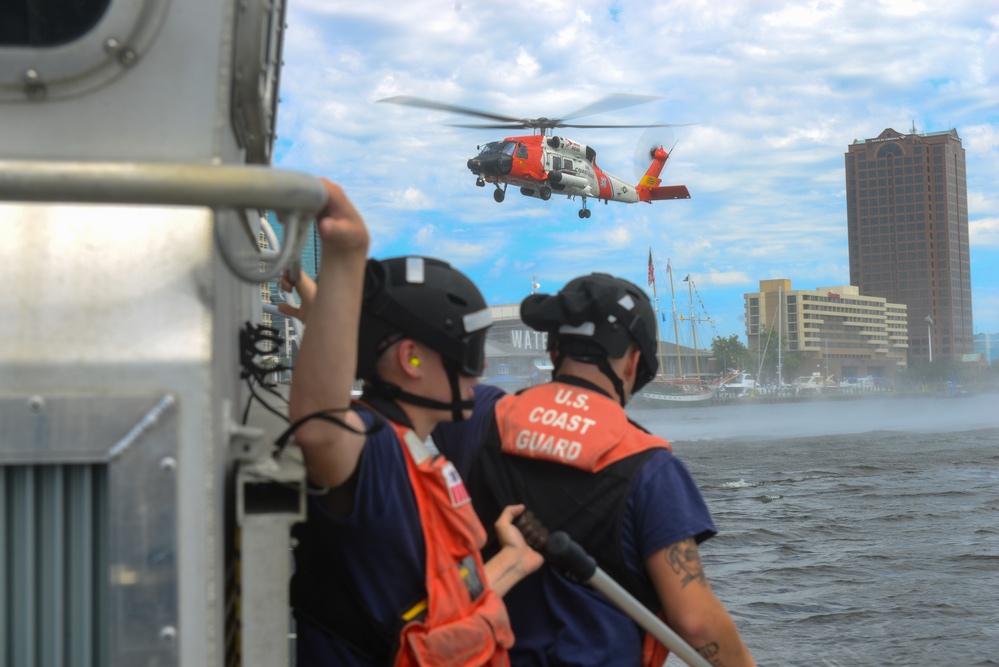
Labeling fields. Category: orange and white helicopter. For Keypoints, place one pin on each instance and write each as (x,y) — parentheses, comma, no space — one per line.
(543,164)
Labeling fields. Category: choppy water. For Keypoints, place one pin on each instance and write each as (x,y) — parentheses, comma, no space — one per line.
(851,533)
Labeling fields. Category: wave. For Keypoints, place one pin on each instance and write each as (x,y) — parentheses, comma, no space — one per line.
(741,484)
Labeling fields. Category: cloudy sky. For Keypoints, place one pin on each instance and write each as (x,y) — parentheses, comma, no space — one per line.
(775,90)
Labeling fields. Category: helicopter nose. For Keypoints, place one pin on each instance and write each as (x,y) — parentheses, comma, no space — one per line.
(491,165)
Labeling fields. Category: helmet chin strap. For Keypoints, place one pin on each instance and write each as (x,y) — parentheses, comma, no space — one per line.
(601,363)
(457,406)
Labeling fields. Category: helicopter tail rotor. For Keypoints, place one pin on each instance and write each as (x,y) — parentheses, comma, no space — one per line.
(653,138)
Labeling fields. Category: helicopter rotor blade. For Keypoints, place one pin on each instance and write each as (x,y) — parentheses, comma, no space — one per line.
(610,103)
(490,126)
(536,123)
(453,108)
(629,126)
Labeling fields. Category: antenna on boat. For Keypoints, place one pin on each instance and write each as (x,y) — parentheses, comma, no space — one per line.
(535,285)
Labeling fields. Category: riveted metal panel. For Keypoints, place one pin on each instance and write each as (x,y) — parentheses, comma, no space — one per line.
(88,524)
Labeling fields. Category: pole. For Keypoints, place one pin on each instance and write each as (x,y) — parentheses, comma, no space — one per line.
(780,351)
(676,330)
(929,334)
(659,333)
(693,326)
(565,553)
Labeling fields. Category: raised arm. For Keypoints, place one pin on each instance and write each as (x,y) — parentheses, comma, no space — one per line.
(306,289)
(691,608)
(324,371)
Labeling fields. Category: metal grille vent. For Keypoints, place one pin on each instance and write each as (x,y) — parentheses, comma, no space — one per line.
(54,565)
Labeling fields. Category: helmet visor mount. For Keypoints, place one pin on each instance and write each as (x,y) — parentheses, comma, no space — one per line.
(473,361)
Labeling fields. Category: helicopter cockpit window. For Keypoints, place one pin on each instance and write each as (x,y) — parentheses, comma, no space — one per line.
(508,148)
(47,24)
(489,148)
(522,151)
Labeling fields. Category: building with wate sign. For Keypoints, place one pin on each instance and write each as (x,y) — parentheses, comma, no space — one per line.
(517,356)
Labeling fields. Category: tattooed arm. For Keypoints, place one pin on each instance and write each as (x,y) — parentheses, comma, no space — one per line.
(692,609)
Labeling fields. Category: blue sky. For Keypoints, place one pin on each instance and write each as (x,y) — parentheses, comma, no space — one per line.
(776,91)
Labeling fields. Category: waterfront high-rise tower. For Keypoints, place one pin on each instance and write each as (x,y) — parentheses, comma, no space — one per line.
(907,221)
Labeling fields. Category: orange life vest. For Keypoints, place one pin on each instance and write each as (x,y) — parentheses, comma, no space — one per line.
(462,621)
(575,426)
(570,425)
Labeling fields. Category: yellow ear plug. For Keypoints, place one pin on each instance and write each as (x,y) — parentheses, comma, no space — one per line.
(415,361)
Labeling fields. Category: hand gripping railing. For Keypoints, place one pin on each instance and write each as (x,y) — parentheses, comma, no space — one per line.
(295,196)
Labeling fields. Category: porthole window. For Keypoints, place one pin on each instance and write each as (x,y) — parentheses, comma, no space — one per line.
(54,49)
(49,22)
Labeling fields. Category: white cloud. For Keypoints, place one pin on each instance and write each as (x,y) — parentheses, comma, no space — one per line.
(426,236)
(412,198)
(617,237)
(527,64)
(984,232)
(803,16)
(722,278)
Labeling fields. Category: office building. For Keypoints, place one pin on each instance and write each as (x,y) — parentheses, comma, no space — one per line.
(907,221)
(841,332)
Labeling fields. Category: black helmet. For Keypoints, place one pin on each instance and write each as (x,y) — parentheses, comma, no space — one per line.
(430,301)
(595,317)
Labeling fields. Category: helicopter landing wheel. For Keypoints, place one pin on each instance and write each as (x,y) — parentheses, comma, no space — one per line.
(499,195)
(545,193)
(480,183)
(584,213)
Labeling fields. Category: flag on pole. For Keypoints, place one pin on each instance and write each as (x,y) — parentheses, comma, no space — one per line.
(686,278)
(652,269)
(668,269)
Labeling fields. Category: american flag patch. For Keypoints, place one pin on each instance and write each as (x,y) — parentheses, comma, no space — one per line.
(455,486)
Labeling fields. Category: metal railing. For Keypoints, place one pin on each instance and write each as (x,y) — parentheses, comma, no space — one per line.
(297,197)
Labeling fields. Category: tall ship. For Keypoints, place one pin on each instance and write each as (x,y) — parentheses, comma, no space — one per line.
(682,382)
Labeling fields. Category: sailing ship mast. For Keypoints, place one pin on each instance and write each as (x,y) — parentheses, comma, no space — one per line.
(764,324)
(780,326)
(655,301)
(693,325)
(674,392)
(676,329)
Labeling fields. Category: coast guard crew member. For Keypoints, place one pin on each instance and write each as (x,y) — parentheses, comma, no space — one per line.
(568,451)
(388,565)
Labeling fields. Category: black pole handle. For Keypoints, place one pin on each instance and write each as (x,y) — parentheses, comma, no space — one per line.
(563,552)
